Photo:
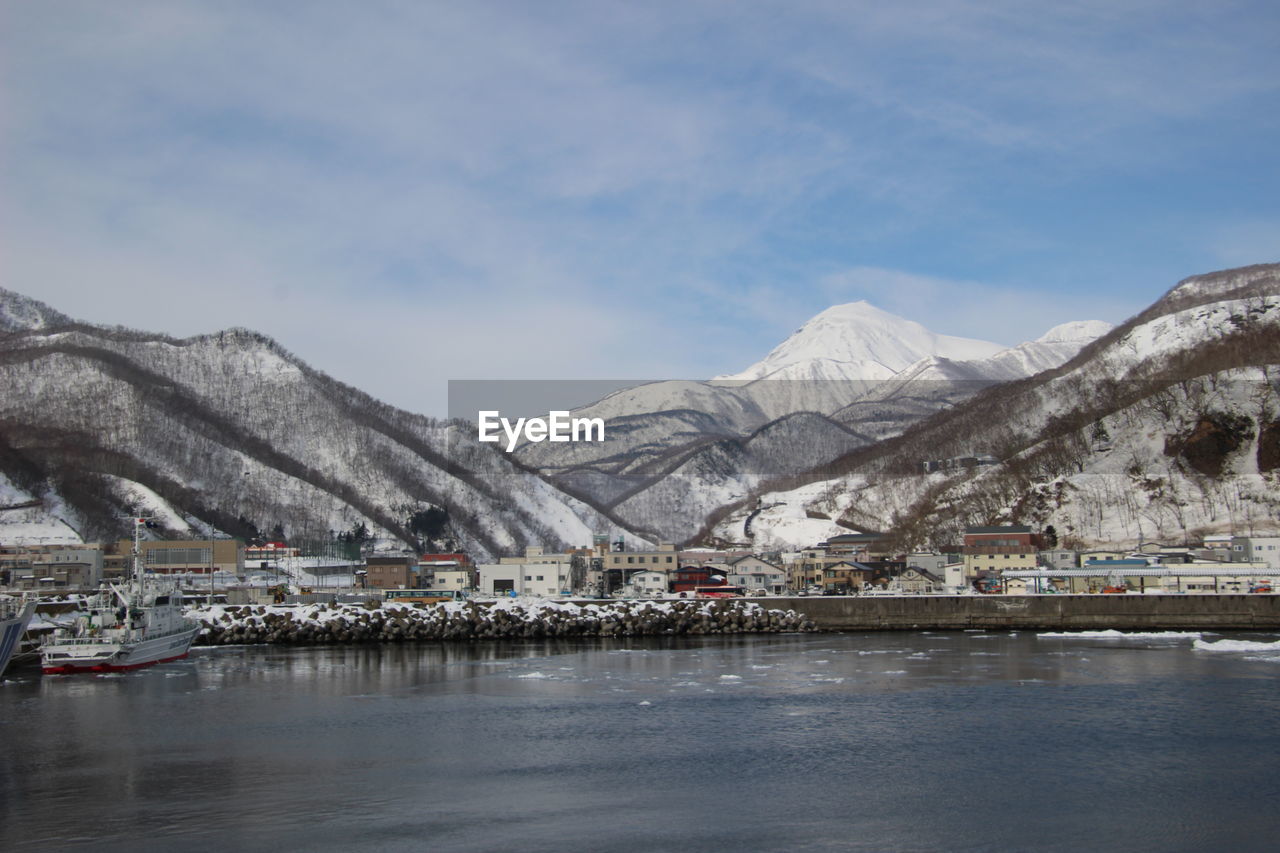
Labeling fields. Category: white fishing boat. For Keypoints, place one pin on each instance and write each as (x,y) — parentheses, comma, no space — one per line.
(13,624)
(123,627)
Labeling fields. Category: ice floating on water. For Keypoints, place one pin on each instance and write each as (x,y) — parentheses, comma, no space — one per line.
(731,678)
(1112,634)
(532,675)
(1236,646)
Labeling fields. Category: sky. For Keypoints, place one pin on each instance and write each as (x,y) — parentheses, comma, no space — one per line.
(403,194)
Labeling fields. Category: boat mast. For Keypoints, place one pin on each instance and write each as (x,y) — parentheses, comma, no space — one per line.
(135,581)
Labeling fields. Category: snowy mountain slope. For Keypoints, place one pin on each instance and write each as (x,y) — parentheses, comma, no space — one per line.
(1163,428)
(862,369)
(1051,349)
(23,314)
(684,487)
(1238,283)
(232,432)
(722,403)
(859,341)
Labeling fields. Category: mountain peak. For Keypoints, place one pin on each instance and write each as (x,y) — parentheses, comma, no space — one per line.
(857,340)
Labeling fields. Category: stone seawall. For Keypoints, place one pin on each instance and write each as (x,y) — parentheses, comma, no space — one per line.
(492,620)
(1048,612)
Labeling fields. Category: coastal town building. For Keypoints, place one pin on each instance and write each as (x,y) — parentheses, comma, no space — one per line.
(755,574)
(703,556)
(445,578)
(647,584)
(999,549)
(846,577)
(1141,575)
(859,546)
(456,558)
(535,555)
(500,578)
(60,567)
(1058,558)
(809,568)
(1257,549)
(268,555)
(665,559)
(930,560)
(186,556)
(536,579)
(392,571)
(445,572)
(916,580)
(1017,586)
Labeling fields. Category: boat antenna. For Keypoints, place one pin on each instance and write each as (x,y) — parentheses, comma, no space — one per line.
(135,580)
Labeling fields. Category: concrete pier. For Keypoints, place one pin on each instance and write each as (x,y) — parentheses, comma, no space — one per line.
(1038,612)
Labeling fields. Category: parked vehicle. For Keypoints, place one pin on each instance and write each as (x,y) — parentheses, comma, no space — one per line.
(424,596)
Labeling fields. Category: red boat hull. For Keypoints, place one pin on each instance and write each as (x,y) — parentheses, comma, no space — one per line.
(106,667)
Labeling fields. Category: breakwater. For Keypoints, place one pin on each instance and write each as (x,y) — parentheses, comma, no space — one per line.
(1039,612)
(505,619)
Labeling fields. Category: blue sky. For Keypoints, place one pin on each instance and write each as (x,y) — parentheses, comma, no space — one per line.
(406,193)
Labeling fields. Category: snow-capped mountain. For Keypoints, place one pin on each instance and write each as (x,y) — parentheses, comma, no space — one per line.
(1051,349)
(859,341)
(1164,424)
(229,432)
(866,373)
(1158,431)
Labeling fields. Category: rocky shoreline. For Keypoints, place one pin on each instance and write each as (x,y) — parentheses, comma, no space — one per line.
(472,621)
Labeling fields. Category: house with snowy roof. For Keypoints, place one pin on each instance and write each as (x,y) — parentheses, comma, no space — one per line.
(650,583)
(846,576)
(918,580)
(756,574)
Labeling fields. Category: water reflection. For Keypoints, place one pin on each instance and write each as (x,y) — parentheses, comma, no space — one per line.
(820,742)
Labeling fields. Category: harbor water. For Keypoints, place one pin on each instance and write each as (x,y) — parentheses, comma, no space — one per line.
(957,741)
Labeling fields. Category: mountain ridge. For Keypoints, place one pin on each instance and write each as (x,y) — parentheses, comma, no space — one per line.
(181,417)
(232,433)
(1200,361)
(653,424)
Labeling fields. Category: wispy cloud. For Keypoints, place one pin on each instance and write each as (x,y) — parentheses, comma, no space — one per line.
(599,188)
(1007,314)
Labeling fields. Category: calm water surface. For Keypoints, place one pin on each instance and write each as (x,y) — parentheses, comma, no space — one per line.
(904,741)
